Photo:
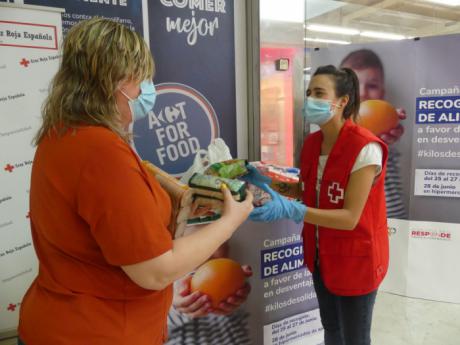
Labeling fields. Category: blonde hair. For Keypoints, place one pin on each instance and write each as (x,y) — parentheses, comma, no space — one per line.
(97,55)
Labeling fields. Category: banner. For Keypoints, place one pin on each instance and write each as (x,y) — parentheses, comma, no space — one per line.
(423,178)
(282,306)
(29,43)
(434,235)
(127,12)
(193,46)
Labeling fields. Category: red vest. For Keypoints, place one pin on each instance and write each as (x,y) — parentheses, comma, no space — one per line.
(351,262)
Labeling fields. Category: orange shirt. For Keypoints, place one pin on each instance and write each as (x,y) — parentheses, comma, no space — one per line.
(93,209)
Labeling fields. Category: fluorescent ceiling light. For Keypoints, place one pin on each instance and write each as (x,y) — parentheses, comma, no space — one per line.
(383,35)
(332,29)
(445,2)
(307,69)
(320,40)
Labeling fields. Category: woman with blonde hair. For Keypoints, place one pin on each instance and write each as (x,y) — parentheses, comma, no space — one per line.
(99,220)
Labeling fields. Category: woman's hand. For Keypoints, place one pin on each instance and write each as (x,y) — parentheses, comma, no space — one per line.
(235,301)
(278,208)
(191,304)
(236,212)
(255,177)
(197,304)
(394,134)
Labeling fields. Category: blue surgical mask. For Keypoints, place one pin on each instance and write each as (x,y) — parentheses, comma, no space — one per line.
(317,111)
(143,104)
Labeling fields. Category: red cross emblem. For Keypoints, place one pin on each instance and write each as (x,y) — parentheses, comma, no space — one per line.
(9,167)
(335,193)
(11,307)
(24,62)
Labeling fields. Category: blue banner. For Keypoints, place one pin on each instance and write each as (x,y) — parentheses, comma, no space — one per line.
(438,110)
(281,260)
(193,46)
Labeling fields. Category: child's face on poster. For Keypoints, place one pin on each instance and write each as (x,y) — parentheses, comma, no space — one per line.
(371,84)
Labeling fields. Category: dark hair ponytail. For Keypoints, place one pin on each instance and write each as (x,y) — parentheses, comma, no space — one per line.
(346,83)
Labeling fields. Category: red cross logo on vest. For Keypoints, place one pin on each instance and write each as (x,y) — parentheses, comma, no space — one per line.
(335,193)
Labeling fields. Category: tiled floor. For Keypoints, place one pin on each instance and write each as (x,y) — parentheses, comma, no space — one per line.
(406,321)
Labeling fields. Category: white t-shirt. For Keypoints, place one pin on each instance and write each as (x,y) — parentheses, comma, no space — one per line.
(371,154)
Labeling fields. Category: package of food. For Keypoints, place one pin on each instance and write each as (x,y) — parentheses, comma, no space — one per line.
(261,197)
(285,180)
(176,189)
(205,210)
(287,189)
(210,186)
(180,194)
(231,169)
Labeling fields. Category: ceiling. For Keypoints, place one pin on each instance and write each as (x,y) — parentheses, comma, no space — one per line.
(282,22)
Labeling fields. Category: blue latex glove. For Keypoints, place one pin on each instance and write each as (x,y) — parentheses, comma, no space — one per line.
(255,177)
(278,208)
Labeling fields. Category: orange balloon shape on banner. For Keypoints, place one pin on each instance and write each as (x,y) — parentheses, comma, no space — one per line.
(377,116)
(219,279)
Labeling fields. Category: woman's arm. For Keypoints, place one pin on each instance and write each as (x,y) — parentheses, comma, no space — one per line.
(190,251)
(356,195)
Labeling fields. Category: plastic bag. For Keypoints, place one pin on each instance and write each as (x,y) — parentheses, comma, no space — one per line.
(218,151)
(200,163)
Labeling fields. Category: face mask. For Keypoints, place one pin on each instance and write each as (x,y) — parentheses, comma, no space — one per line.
(143,104)
(317,111)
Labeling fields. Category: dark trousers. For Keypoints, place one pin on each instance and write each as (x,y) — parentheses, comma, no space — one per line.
(346,320)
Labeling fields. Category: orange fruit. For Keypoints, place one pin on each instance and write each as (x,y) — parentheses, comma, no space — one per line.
(377,116)
(219,279)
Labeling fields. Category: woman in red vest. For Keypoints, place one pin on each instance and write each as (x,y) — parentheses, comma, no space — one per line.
(344,214)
